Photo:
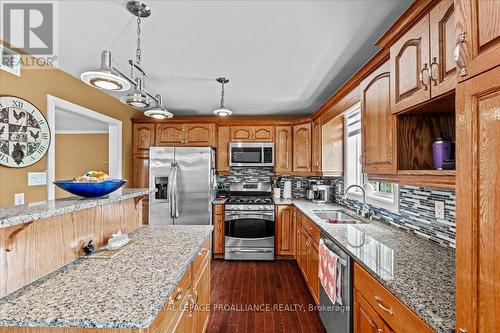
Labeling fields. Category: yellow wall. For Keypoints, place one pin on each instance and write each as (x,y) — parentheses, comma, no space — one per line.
(34,85)
(78,153)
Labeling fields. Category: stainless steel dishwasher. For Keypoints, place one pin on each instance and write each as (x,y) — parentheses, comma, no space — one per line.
(337,318)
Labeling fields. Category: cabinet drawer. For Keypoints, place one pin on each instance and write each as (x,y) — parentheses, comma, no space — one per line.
(395,314)
(203,255)
(218,209)
(311,228)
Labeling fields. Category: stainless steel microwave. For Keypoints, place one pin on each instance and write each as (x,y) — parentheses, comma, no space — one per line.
(251,154)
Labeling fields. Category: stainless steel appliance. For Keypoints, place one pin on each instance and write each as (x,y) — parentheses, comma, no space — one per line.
(251,154)
(335,317)
(321,193)
(249,222)
(185,179)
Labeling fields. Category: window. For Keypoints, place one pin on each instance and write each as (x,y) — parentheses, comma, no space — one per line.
(385,195)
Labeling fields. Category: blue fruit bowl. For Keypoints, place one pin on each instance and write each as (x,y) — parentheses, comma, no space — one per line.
(90,190)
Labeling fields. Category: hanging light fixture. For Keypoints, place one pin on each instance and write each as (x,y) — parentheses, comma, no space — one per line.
(222,111)
(158,111)
(137,98)
(105,77)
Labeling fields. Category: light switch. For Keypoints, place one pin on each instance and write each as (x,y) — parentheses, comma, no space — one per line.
(18,199)
(439,207)
(37,178)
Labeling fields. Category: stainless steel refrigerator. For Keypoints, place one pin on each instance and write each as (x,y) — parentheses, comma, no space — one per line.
(184,178)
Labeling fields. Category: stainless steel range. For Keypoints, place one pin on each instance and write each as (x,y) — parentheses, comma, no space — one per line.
(249,222)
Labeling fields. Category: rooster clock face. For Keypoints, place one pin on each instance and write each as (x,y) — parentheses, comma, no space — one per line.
(24,133)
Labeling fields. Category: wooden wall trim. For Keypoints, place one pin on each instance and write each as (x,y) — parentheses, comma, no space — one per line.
(231,120)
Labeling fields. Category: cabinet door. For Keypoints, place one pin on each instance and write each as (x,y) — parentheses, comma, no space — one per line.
(285,230)
(283,149)
(316,146)
(263,133)
(312,269)
(478,202)
(410,67)
(185,323)
(443,73)
(218,233)
(241,133)
(223,149)
(333,147)
(479,47)
(378,125)
(143,137)
(304,241)
(366,320)
(201,294)
(169,135)
(141,170)
(302,148)
(197,135)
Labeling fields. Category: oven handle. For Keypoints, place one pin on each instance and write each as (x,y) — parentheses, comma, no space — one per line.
(232,217)
(250,251)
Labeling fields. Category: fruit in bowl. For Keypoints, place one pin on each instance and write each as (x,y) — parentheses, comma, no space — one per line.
(91,185)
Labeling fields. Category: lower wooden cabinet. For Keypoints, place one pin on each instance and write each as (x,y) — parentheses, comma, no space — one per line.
(218,222)
(366,319)
(285,230)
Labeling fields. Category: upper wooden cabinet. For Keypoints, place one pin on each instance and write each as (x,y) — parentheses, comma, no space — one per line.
(410,67)
(442,68)
(333,147)
(378,123)
(185,135)
(422,65)
(223,140)
(302,148)
(477,36)
(252,133)
(283,149)
(316,146)
(143,137)
(478,203)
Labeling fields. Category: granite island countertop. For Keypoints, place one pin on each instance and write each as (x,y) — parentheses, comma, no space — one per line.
(127,291)
(420,273)
(14,215)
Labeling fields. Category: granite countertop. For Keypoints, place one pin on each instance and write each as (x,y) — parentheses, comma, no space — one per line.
(127,291)
(10,216)
(420,273)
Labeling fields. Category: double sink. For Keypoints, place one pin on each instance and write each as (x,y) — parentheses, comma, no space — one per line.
(337,216)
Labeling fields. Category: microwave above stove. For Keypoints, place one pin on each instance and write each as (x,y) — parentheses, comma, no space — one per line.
(251,154)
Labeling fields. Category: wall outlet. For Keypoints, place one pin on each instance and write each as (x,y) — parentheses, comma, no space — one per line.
(299,184)
(37,178)
(439,209)
(18,199)
(339,188)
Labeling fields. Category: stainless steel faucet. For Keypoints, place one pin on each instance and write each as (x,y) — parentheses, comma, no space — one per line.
(365,211)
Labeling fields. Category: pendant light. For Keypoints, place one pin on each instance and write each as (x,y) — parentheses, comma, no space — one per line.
(222,111)
(158,111)
(137,98)
(105,77)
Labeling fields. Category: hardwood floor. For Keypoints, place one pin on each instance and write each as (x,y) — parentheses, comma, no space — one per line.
(247,296)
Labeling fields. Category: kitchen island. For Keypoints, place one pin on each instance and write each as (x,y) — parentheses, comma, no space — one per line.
(129,291)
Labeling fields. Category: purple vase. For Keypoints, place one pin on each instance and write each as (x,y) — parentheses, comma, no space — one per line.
(441,150)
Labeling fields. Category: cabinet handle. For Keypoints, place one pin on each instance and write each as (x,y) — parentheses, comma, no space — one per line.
(196,295)
(379,303)
(177,297)
(191,300)
(456,54)
(462,330)
(421,76)
(431,72)
(379,330)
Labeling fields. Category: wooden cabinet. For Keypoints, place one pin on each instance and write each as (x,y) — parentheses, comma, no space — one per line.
(283,150)
(382,308)
(366,319)
(442,67)
(223,140)
(333,147)
(302,148)
(410,67)
(477,36)
(143,136)
(140,170)
(422,65)
(185,135)
(478,202)
(218,233)
(312,268)
(378,123)
(252,133)
(316,146)
(201,298)
(285,230)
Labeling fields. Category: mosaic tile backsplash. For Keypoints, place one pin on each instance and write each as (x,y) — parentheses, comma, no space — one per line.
(416,204)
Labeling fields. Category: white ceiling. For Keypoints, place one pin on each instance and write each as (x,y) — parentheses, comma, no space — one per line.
(70,122)
(282,57)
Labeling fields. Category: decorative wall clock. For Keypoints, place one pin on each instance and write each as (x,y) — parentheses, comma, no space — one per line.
(24,133)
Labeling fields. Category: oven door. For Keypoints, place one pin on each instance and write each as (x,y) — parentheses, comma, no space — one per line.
(248,226)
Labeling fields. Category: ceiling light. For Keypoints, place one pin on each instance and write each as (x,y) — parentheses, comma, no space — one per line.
(222,111)
(158,111)
(137,98)
(105,78)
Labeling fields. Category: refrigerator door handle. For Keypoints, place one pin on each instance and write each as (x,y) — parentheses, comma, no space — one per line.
(176,191)
(170,190)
